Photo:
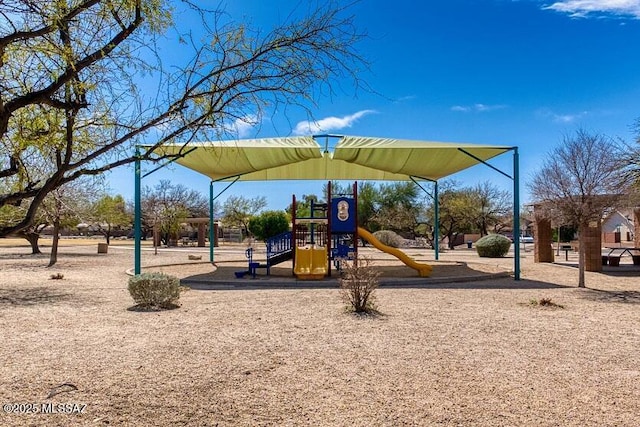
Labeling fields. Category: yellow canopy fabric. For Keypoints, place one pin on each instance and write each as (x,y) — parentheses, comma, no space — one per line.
(354,158)
(424,159)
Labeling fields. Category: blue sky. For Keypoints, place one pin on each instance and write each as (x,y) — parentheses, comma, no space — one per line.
(524,73)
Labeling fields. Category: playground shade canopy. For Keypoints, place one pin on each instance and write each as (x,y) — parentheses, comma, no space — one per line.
(353,158)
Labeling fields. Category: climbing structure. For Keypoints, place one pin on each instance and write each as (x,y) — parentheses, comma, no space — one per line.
(310,242)
(326,237)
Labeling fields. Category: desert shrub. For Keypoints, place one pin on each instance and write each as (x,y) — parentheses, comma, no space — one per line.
(155,290)
(57,276)
(269,224)
(358,281)
(493,246)
(544,302)
(389,238)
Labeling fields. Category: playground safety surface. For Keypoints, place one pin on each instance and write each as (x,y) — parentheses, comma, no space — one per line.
(281,277)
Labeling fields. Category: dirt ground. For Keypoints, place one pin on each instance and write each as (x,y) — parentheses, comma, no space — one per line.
(476,352)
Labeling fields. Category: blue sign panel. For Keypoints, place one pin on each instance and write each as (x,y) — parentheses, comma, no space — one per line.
(343,215)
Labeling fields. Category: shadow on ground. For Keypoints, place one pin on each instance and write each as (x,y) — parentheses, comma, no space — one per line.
(32,296)
(623,270)
(146,308)
(454,276)
(627,297)
(63,254)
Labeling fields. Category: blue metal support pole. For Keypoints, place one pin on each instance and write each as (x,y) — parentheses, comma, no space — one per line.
(137,222)
(436,216)
(516,214)
(211,225)
(436,220)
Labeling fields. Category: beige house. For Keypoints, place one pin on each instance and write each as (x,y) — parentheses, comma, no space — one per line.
(618,227)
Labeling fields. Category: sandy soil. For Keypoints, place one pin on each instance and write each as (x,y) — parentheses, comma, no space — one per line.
(474,353)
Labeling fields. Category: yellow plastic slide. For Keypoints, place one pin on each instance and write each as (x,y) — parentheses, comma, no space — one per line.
(424,270)
(311,262)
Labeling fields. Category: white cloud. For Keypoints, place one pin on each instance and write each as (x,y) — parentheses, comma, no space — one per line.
(562,118)
(584,8)
(483,107)
(568,118)
(243,125)
(479,108)
(328,123)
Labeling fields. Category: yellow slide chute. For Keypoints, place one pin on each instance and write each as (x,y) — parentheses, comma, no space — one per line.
(311,262)
(424,270)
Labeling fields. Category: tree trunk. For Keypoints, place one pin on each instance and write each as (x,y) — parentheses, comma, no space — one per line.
(636,227)
(582,251)
(53,258)
(156,240)
(32,238)
(450,242)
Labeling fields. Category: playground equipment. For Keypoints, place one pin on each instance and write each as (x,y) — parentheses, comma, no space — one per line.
(328,236)
(311,262)
(424,270)
(278,250)
(253,266)
(310,240)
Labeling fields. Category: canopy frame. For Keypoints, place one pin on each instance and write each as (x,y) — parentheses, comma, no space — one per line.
(357,161)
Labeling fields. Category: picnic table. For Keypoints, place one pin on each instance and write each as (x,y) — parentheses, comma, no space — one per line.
(187,241)
(614,255)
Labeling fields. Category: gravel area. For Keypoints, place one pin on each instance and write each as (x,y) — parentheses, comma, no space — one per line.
(472,353)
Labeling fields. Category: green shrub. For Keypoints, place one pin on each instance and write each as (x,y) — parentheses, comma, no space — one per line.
(269,224)
(493,246)
(155,290)
(389,238)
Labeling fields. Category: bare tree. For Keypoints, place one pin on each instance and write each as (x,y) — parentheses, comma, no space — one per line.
(488,206)
(65,206)
(579,181)
(70,73)
(634,172)
(166,205)
(636,222)
(62,208)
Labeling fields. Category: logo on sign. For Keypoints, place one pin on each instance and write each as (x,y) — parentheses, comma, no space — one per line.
(343,210)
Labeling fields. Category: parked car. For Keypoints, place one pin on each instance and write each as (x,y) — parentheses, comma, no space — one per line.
(526,239)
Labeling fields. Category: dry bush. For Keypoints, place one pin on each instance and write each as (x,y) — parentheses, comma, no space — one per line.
(155,290)
(57,276)
(389,238)
(358,282)
(544,302)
